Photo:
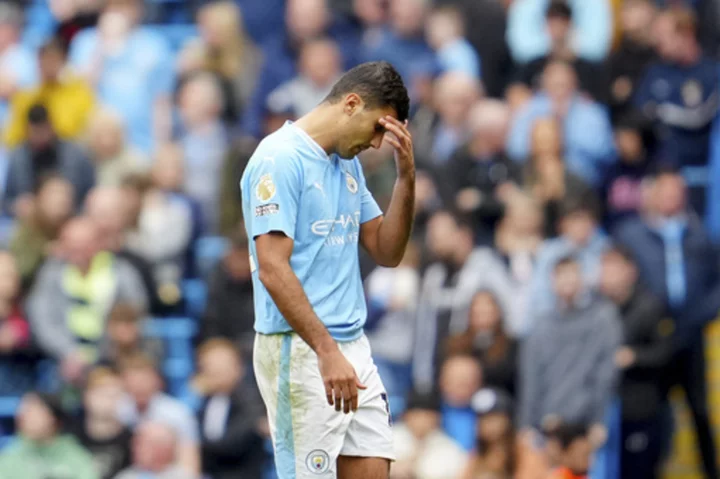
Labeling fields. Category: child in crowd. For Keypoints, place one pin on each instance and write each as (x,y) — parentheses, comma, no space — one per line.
(125,338)
(573,449)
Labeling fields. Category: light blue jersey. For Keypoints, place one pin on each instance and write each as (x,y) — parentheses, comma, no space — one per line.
(292,186)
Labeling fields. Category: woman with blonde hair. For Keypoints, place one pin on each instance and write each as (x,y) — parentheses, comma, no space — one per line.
(224,50)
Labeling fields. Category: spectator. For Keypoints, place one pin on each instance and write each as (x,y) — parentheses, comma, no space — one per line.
(447,287)
(69,99)
(509,263)
(438,135)
(643,360)
(43,153)
(73,294)
(581,237)
(100,432)
(164,211)
(235,161)
(575,450)
(17,361)
(42,451)
(230,311)
(402,43)
(73,17)
(528,40)
(567,369)
(586,127)
(304,20)
(680,94)
(423,450)
(146,402)
(17,63)
(591,78)
(319,67)
(232,416)
(546,175)
(51,207)
(678,263)
(460,378)
(494,454)
(628,62)
(487,340)
(130,67)
(392,300)
(113,157)
(478,175)
(229,54)
(621,190)
(154,454)
(445,32)
(204,143)
(125,337)
(115,211)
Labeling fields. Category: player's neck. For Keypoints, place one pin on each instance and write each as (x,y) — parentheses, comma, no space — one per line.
(320,125)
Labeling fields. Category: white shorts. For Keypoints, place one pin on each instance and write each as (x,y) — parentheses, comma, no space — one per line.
(308,434)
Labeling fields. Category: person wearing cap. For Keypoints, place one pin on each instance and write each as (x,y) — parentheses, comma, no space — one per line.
(18,67)
(42,451)
(44,153)
(423,450)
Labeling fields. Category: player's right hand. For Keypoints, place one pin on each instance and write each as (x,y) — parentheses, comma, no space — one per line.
(340,380)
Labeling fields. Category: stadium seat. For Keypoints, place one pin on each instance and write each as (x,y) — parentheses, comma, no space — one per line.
(177,335)
(177,35)
(208,252)
(195,294)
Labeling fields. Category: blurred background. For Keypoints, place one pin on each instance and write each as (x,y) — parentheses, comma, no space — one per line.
(553,316)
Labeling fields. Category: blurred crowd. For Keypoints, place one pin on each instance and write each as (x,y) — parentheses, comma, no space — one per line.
(562,269)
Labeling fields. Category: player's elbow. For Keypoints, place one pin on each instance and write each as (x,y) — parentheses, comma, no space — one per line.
(269,272)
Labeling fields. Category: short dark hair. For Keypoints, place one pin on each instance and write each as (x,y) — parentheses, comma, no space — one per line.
(621,251)
(38,115)
(378,84)
(567,260)
(559,9)
(583,203)
(567,433)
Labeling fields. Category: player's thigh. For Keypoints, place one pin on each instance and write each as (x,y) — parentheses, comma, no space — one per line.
(307,432)
(363,467)
(369,434)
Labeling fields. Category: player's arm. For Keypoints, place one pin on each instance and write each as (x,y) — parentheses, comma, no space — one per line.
(272,192)
(276,274)
(386,237)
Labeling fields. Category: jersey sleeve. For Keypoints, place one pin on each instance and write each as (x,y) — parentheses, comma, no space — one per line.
(369,209)
(272,193)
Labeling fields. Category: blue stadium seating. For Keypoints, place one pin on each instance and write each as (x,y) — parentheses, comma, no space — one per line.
(195,294)
(177,334)
(208,252)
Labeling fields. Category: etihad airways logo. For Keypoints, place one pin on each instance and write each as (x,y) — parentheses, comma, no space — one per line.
(339,231)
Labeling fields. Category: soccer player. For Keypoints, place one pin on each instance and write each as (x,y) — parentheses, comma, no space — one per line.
(306,207)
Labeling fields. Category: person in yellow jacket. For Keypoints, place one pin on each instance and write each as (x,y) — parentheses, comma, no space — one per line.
(69,99)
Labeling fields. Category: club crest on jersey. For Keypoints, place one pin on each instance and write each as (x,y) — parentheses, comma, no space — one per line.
(352,185)
(265,189)
(318,461)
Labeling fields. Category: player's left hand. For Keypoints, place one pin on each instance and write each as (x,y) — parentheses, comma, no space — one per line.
(401,140)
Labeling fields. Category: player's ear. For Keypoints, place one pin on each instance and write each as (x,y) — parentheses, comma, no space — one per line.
(353,103)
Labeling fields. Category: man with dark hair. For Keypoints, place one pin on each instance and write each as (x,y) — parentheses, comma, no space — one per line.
(558,24)
(306,208)
(580,235)
(69,99)
(681,95)
(44,153)
(567,368)
(643,357)
(677,262)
